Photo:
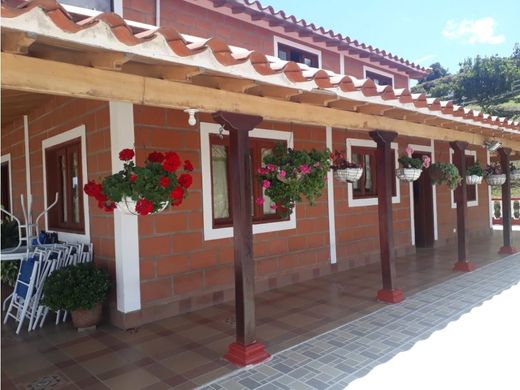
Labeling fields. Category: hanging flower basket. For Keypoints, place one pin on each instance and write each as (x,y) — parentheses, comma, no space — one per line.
(473,179)
(408,174)
(127,206)
(350,175)
(515,175)
(143,190)
(496,180)
(445,173)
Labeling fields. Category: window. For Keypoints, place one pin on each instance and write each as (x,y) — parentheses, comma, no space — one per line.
(97,5)
(222,196)
(471,189)
(63,172)
(6,183)
(378,78)
(289,53)
(366,186)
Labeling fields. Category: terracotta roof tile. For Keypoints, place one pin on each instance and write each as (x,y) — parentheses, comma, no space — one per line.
(47,19)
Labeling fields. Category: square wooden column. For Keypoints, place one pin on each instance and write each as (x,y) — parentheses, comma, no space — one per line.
(461,199)
(507,248)
(385,173)
(245,350)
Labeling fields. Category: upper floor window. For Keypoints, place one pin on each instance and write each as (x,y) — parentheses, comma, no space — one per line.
(63,172)
(288,53)
(97,5)
(222,194)
(379,77)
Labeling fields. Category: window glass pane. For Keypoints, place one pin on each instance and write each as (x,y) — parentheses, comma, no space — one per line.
(98,5)
(267,201)
(283,55)
(368,173)
(355,159)
(220,181)
(75,187)
(64,185)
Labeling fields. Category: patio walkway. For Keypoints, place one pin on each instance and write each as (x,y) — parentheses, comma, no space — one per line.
(186,351)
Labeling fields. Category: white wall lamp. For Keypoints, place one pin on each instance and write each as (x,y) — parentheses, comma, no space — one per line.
(192,121)
(492,145)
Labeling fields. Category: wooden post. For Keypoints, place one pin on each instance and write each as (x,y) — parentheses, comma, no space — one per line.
(507,248)
(246,350)
(461,199)
(385,166)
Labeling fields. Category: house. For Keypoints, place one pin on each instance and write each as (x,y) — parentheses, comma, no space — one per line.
(79,85)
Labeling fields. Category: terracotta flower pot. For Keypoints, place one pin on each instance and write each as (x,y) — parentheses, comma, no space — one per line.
(85,318)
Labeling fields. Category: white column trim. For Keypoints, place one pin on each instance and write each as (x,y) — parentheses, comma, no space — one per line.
(341,63)
(118,7)
(27,156)
(330,201)
(6,158)
(126,229)
(490,202)
(77,132)
(431,150)
(472,203)
(157,13)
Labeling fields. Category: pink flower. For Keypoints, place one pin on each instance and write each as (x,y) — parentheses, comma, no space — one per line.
(409,151)
(426,161)
(271,167)
(317,164)
(273,207)
(262,171)
(282,173)
(266,184)
(305,169)
(259,201)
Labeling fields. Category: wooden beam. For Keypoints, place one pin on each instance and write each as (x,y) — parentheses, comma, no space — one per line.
(16,42)
(108,60)
(84,82)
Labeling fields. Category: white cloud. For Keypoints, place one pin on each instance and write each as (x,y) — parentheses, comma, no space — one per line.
(473,31)
(425,58)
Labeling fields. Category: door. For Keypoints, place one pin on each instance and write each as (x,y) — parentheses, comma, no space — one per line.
(423,209)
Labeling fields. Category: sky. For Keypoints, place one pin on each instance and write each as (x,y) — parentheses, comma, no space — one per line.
(445,31)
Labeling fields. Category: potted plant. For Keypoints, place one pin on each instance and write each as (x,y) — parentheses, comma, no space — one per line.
(515,172)
(345,170)
(411,167)
(447,173)
(474,174)
(80,289)
(143,190)
(9,269)
(290,174)
(494,175)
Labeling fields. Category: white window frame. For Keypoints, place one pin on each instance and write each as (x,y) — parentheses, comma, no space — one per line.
(283,41)
(77,132)
(472,203)
(6,158)
(369,201)
(381,72)
(211,233)
(118,9)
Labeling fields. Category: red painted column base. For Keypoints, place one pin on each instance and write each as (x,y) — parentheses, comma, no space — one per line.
(390,296)
(463,266)
(244,355)
(507,250)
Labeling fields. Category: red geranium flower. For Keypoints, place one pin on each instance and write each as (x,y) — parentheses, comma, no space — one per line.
(177,193)
(188,166)
(185,180)
(156,157)
(126,154)
(101,197)
(164,181)
(133,178)
(171,162)
(176,202)
(107,206)
(92,188)
(144,207)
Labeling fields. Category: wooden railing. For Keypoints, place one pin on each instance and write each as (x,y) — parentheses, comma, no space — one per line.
(497,211)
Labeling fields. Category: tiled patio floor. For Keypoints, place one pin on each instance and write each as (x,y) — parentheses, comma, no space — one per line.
(186,351)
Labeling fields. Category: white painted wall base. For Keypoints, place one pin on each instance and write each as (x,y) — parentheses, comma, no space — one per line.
(126,229)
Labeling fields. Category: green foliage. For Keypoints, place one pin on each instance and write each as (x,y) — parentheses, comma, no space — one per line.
(9,272)
(410,162)
(438,71)
(74,287)
(445,173)
(475,169)
(9,269)
(290,174)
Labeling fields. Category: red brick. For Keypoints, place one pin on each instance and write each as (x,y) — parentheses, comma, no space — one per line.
(267,266)
(155,246)
(172,265)
(170,223)
(188,282)
(219,276)
(156,289)
(186,242)
(203,259)
(147,269)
